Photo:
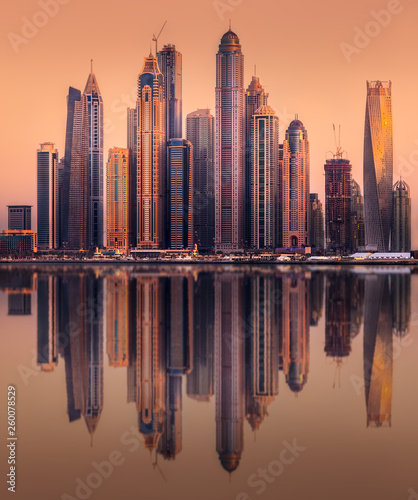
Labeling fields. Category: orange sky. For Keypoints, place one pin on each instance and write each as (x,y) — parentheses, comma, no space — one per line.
(295,45)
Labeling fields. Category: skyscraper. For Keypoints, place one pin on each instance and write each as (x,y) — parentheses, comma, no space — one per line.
(357,217)
(118,200)
(338,204)
(131,144)
(199,126)
(19,217)
(170,64)
(151,167)
(378,164)
(316,223)
(253,100)
(264,171)
(295,186)
(229,145)
(74,95)
(47,182)
(94,116)
(401,220)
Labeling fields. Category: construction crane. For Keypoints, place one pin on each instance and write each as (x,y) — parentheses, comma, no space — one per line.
(339,151)
(155,38)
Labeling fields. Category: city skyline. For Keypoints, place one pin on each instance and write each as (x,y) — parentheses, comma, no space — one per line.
(371,63)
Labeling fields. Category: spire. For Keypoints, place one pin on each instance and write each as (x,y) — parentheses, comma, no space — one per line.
(92,86)
(230,25)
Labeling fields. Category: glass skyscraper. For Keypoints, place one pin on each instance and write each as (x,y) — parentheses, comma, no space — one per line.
(378,164)
(229,145)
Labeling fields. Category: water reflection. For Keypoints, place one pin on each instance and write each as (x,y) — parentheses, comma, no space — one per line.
(227,334)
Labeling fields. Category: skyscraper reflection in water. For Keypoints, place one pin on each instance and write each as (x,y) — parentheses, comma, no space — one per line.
(227,334)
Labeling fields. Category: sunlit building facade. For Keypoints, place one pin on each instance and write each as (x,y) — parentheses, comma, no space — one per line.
(229,145)
(401,220)
(378,164)
(118,320)
(295,187)
(151,157)
(200,130)
(117,200)
(264,171)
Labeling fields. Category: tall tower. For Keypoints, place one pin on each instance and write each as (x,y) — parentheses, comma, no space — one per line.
(47,182)
(93,107)
(131,144)
(150,144)
(357,217)
(316,223)
(264,149)
(338,204)
(378,164)
(180,194)
(118,200)
(170,63)
(199,126)
(229,145)
(401,220)
(295,186)
(254,98)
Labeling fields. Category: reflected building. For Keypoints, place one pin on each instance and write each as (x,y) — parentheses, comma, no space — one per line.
(262,378)
(295,331)
(378,350)
(378,164)
(200,379)
(316,294)
(18,286)
(47,357)
(229,369)
(357,286)
(118,318)
(400,290)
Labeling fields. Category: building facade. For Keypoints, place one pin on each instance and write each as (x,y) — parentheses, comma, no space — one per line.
(401,220)
(317,235)
(151,160)
(378,164)
(19,217)
(295,187)
(200,129)
(180,194)
(357,217)
(338,205)
(264,168)
(229,145)
(47,182)
(118,201)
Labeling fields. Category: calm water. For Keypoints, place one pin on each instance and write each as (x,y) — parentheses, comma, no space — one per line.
(212,383)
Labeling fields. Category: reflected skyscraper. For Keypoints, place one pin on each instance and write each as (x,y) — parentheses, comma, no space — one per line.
(378,350)
(200,132)
(316,294)
(229,369)
(118,319)
(378,164)
(229,145)
(295,186)
(151,157)
(263,361)
(400,290)
(47,357)
(295,331)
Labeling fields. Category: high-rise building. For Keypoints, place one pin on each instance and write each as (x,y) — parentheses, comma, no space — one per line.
(229,145)
(357,217)
(316,223)
(180,194)
(253,100)
(118,201)
(338,204)
(118,317)
(47,177)
(170,64)
(131,144)
(94,116)
(74,95)
(151,166)
(264,171)
(378,164)
(19,217)
(47,328)
(199,126)
(295,186)
(401,220)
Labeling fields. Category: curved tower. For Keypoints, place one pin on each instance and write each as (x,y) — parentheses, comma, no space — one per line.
(150,113)
(378,164)
(229,145)
(295,186)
